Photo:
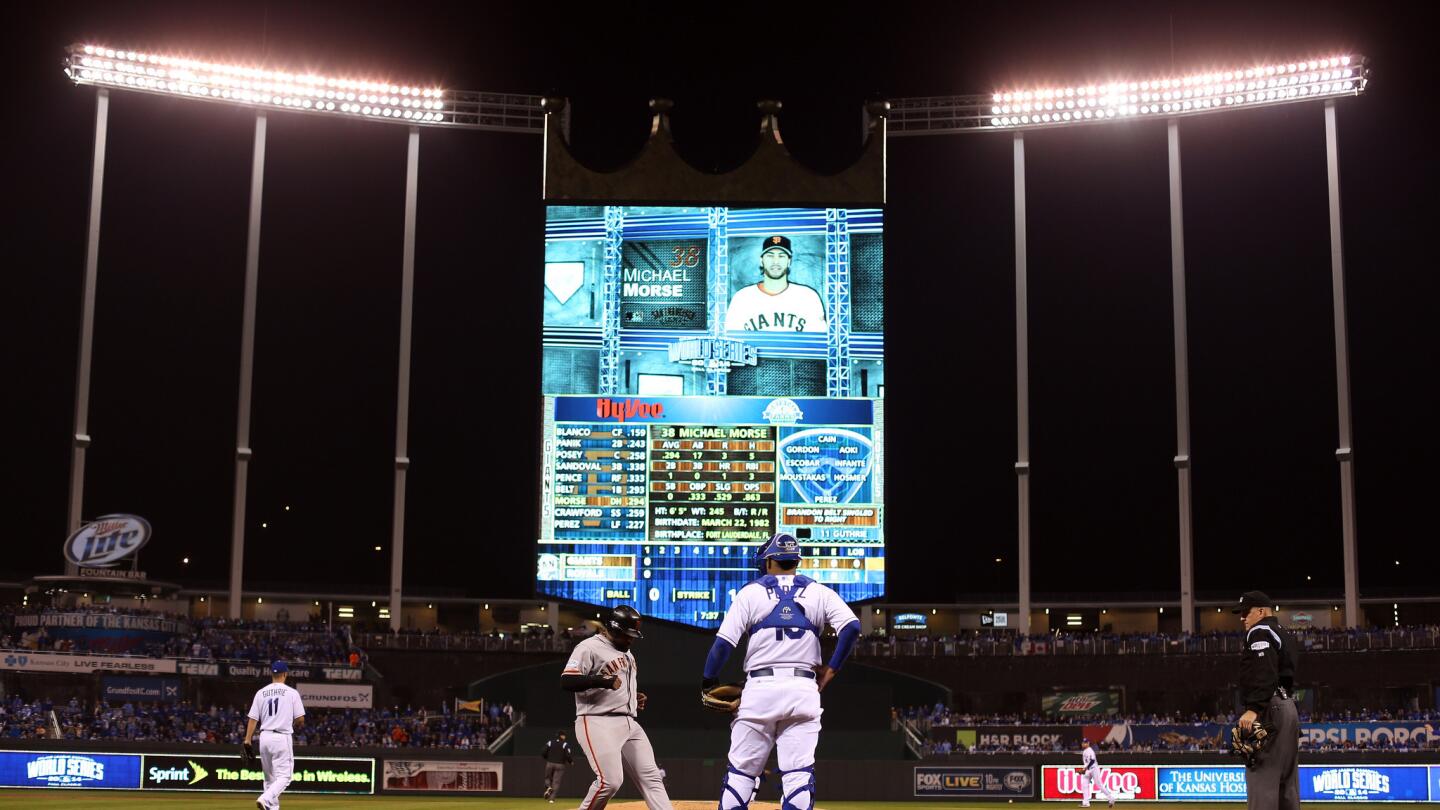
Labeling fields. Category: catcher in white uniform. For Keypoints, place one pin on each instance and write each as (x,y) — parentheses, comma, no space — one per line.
(1090,779)
(776,304)
(782,615)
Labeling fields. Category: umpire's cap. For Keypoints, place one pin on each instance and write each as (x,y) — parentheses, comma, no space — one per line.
(624,620)
(780,546)
(1252,599)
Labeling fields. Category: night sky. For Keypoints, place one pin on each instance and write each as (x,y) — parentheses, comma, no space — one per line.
(1267,505)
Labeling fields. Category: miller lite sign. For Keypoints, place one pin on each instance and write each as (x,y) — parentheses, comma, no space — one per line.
(107,540)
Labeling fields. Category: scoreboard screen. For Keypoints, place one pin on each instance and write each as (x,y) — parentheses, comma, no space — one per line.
(711,376)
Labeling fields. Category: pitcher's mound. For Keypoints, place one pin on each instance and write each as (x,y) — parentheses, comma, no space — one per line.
(690,805)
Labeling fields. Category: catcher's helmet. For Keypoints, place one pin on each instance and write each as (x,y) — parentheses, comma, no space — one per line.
(624,620)
(780,546)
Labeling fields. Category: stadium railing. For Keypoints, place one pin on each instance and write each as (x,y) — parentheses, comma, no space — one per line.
(1324,641)
(472,643)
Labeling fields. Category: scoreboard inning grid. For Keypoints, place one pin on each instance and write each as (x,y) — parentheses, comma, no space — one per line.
(687,417)
(661,502)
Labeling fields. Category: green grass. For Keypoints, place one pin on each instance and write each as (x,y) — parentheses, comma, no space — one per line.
(88,799)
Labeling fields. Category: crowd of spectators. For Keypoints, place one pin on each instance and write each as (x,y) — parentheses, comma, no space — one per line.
(1064,642)
(206,638)
(184,722)
(21,720)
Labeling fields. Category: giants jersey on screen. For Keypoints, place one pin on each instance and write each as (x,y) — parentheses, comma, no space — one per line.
(767,648)
(795,309)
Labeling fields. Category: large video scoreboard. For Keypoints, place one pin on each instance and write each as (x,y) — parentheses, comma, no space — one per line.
(711,376)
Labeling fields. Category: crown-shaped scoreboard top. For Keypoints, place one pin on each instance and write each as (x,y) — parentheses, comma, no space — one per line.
(658,174)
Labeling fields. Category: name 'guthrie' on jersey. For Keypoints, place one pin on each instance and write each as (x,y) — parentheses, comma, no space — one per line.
(598,656)
(783,630)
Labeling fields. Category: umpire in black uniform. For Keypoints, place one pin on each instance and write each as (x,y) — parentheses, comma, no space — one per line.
(1267,687)
(558,756)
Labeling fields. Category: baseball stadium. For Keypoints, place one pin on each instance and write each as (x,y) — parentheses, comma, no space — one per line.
(751,407)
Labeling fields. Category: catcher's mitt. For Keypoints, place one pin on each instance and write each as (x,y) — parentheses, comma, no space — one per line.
(247,756)
(724,698)
(1249,745)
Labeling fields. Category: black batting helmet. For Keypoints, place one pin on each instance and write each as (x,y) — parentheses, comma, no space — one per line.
(624,620)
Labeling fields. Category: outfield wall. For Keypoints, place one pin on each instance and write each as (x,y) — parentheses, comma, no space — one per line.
(42,764)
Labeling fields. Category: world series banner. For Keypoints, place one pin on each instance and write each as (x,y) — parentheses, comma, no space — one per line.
(45,769)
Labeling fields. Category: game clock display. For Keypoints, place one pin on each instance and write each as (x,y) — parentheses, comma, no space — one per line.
(711,375)
(661,502)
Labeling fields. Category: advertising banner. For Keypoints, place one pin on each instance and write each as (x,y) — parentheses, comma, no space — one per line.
(438,775)
(1206,783)
(336,696)
(1040,738)
(213,772)
(1435,783)
(1062,783)
(43,769)
(1063,704)
(122,688)
(64,662)
(1013,783)
(1384,734)
(298,672)
(1198,736)
(1364,783)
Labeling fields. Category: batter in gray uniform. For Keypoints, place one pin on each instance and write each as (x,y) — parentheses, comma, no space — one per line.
(601,672)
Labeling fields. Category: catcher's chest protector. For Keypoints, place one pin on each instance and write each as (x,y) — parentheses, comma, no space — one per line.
(787,618)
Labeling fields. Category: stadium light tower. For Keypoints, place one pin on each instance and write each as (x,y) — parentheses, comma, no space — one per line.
(267,90)
(1168,98)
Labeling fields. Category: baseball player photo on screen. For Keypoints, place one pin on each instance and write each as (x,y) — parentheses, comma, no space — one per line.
(711,376)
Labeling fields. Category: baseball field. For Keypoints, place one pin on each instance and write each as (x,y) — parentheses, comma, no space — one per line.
(88,799)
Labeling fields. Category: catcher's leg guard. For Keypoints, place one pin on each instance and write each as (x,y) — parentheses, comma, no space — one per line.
(739,787)
(793,784)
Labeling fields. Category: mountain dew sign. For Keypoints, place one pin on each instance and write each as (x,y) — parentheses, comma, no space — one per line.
(1069,704)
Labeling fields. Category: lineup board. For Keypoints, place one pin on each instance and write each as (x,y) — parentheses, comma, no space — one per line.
(661,502)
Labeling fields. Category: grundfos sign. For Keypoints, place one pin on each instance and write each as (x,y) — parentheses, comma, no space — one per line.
(107,540)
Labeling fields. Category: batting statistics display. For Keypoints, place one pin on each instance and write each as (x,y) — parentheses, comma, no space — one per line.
(660,502)
(712,375)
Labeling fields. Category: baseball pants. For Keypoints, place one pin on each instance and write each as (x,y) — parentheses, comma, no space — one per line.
(616,745)
(775,712)
(1090,781)
(277,759)
(554,772)
(1274,783)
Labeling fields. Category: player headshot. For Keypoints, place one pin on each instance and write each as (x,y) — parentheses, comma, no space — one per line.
(775,303)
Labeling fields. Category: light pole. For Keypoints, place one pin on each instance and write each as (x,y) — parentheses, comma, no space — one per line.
(265,90)
(1167,98)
